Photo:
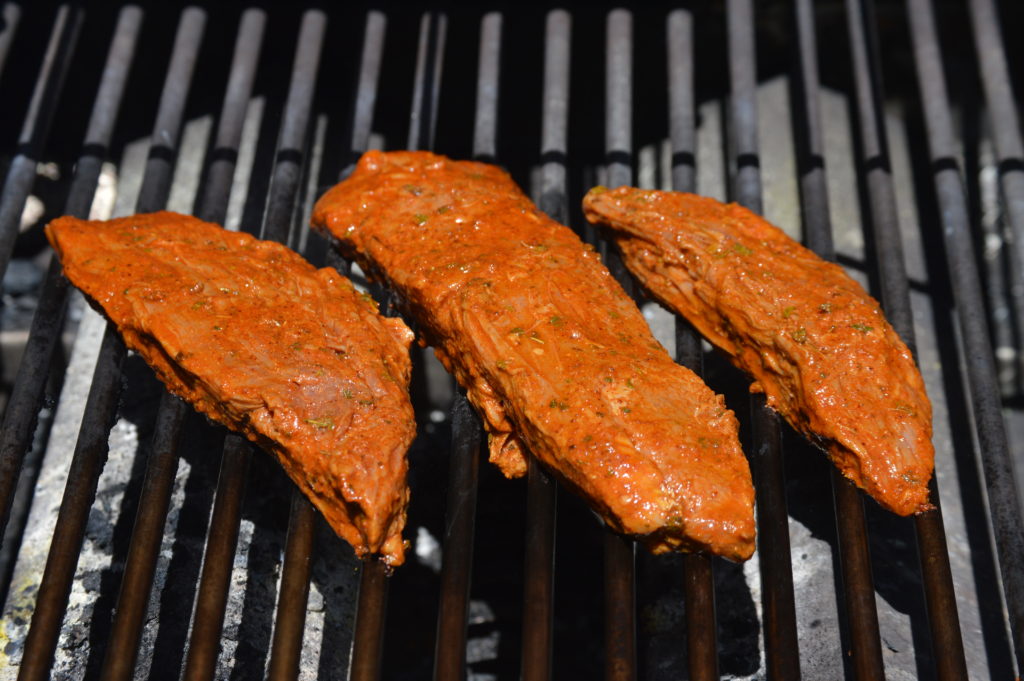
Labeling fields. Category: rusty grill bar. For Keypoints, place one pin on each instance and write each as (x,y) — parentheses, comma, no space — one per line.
(559,165)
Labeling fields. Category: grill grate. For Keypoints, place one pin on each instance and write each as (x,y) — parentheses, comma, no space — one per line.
(564,155)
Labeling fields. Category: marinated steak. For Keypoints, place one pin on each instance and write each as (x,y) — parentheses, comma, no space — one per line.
(815,343)
(256,338)
(552,352)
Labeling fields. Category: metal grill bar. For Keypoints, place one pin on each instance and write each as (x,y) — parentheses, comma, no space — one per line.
(137,582)
(485,128)
(780,642)
(371,609)
(1009,147)
(966,285)
(457,556)
(10,15)
(467,435)
(427,83)
(221,541)
(278,225)
(22,173)
(91,448)
(213,204)
(123,644)
(294,591)
(851,529)
(619,552)
(895,296)
(541,491)
(27,393)
(698,573)
(946,643)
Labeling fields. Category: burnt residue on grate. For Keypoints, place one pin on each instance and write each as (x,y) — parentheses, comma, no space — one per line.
(192,562)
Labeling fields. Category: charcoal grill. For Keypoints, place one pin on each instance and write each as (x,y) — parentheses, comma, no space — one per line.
(258,110)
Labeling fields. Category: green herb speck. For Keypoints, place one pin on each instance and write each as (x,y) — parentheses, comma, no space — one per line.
(420,218)
(740,249)
(323,424)
(800,335)
(787,311)
(825,308)
(863,328)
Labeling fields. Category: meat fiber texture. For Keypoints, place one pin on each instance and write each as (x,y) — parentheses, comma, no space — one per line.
(812,339)
(551,351)
(256,338)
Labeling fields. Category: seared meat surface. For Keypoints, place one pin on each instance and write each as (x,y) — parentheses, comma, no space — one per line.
(552,352)
(815,343)
(256,338)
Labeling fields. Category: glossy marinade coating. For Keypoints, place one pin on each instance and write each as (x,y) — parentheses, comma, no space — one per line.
(551,351)
(256,338)
(815,343)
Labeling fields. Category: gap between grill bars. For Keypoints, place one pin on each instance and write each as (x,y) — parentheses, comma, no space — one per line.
(584,112)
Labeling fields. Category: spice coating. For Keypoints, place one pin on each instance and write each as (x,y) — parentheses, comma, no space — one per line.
(814,341)
(552,352)
(256,338)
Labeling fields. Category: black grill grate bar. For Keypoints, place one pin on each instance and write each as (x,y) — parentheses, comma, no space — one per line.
(851,529)
(966,284)
(137,582)
(874,158)
(874,154)
(101,405)
(10,15)
(369,77)
(156,183)
(457,543)
(371,608)
(277,225)
(485,128)
(467,434)
(27,393)
(221,542)
(619,552)
(22,173)
(284,183)
(1009,148)
(541,491)
(213,203)
(698,572)
(779,626)
(147,535)
(427,81)
(293,594)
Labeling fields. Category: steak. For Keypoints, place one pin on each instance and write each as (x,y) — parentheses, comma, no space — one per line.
(551,351)
(815,343)
(257,339)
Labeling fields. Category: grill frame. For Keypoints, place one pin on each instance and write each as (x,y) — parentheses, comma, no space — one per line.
(288,169)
